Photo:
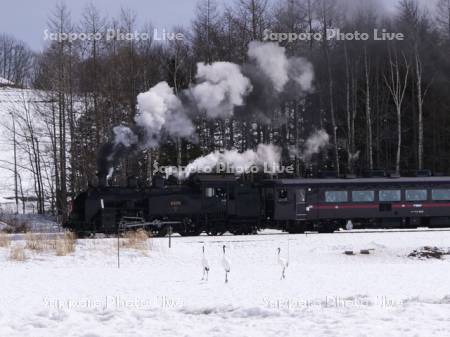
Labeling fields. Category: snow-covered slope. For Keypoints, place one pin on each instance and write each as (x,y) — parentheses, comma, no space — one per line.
(325,293)
(4,81)
(22,103)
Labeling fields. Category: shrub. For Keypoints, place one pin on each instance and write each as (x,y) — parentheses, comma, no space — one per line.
(36,242)
(5,240)
(135,239)
(17,253)
(65,244)
(15,225)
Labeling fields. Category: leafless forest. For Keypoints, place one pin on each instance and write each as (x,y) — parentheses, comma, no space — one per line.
(384,104)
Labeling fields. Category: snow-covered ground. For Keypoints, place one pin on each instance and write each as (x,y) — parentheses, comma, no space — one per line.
(325,293)
(4,81)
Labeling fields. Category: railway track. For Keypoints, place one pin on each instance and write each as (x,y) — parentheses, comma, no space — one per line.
(355,231)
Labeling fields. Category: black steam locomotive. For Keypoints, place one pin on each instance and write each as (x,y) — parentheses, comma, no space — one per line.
(218,203)
(205,203)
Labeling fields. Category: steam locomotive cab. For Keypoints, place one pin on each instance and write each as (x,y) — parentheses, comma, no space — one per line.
(227,204)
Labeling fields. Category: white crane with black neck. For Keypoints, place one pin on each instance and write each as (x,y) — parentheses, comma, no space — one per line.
(205,265)
(226,264)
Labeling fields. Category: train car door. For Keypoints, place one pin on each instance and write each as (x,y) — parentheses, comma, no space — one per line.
(300,204)
(231,202)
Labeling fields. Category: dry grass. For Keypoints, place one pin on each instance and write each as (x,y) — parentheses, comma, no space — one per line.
(17,253)
(37,242)
(5,240)
(136,240)
(66,244)
(62,244)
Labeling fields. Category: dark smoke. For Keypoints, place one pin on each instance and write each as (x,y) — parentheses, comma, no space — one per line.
(125,141)
(262,101)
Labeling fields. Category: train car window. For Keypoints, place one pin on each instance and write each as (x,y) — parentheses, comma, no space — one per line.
(416,195)
(282,194)
(336,196)
(220,193)
(209,192)
(363,196)
(440,194)
(389,195)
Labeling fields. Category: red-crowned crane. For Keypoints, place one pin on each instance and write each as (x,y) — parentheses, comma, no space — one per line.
(205,265)
(226,264)
(283,263)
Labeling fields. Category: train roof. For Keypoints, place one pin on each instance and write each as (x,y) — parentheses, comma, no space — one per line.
(344,181)
(204,177)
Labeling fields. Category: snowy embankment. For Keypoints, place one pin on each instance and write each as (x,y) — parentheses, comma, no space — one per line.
(160,293)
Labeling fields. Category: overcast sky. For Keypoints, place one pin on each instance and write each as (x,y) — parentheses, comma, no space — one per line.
(27,19)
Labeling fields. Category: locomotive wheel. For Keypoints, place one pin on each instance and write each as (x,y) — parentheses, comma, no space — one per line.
(81,235)
(162,232)
(192,232)
(214,232)
(296,229)
(190,229)
(326,228)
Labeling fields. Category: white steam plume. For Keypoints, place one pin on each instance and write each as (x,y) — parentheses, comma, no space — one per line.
(160,108)
(265,155)
(302,72)
(221,86)
(354,156)
(315,142)
(124,135)
(272,60)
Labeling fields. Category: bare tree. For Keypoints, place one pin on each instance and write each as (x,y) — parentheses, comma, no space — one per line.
(415,21)
(94,24)
(368,110)
(443,16)
(327,10)
(26,128)
(397,83)
(16,60)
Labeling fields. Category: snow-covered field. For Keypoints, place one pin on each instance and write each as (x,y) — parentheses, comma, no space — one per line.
(325,293)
